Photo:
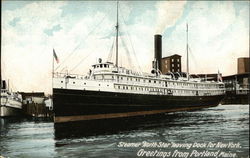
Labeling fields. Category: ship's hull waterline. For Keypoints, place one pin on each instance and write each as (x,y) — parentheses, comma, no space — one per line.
(83,105)
(6,111)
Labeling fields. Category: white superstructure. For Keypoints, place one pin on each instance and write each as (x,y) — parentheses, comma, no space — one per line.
(11,103)
(107,77)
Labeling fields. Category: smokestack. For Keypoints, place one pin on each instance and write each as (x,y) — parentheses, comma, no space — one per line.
(158,52)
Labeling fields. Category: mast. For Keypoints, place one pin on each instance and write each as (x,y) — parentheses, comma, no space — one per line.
(187,56)
(117,27)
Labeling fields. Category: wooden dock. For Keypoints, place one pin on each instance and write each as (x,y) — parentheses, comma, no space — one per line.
(36,105)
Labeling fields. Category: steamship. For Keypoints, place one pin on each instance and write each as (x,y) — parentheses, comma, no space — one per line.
(11,102)
(110,91)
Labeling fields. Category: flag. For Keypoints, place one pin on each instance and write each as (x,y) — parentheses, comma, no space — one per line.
(55,56)
(219,77)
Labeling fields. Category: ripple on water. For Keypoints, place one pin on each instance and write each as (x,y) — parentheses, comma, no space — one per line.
(223,123)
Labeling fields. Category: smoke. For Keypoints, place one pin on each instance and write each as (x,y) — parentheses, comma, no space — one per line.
(168,14)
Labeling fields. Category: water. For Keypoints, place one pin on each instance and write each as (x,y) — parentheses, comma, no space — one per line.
(224,123)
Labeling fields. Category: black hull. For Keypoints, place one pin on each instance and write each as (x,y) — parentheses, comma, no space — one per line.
(85,113)
(79,105)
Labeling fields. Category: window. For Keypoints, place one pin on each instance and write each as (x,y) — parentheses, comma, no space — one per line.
(73,82)
(61,81)
(178,60)
(84,83)
(172,60)
(172,65)
(101,66)
(178,65)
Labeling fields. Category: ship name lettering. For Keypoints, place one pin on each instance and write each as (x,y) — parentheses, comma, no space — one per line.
(149,144)
(163,145)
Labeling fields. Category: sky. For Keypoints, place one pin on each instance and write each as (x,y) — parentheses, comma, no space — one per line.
(81,32)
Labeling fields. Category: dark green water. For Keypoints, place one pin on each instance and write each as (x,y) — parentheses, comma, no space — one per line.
(222,124)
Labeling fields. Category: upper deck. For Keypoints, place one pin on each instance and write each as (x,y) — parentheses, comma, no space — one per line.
(107,77)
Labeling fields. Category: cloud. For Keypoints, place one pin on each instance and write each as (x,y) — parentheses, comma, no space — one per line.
(24,44)
(218,34)
(14,21)
(168,13)
(217,37)
(55,28)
